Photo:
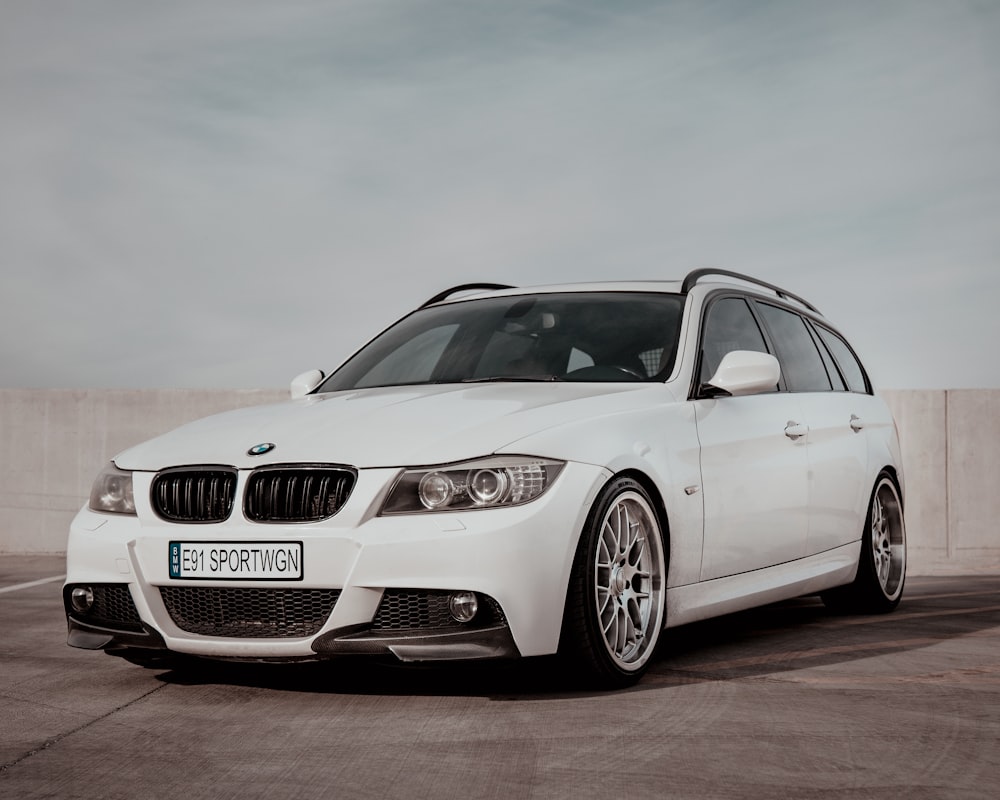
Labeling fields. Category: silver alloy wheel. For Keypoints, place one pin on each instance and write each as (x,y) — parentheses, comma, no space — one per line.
(888,539)
(629,580)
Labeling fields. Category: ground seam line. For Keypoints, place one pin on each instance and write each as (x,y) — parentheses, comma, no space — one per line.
(56,739)
(18,586)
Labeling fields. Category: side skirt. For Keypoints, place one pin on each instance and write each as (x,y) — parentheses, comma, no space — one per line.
(720,596)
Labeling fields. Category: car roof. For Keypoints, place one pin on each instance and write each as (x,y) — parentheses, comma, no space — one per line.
(730,280)
(667,287)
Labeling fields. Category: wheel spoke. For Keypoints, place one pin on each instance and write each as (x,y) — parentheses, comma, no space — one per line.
(603,599)
(878,520)
(604,557)
(609,542)
(624,529)
(623,632)
(637,550)
(612,618)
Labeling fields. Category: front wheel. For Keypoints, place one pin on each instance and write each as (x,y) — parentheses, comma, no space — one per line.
(617,589)
(878,586)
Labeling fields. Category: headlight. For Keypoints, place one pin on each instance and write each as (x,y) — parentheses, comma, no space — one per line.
(487,483)
(112,492)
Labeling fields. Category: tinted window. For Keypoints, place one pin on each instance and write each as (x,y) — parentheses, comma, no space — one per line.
(585,336)
(414,361)
(801,363)
(831,367)
(849,365)
(729,326)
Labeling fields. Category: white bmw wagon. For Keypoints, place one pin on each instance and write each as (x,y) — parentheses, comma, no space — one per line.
(508,473)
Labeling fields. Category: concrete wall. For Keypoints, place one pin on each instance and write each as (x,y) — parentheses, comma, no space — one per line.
(951,454)
(53,443)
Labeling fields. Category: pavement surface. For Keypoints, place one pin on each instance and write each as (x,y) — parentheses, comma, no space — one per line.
(786,701)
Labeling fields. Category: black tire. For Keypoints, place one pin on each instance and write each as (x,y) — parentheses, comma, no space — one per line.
(615,603)
(878,585)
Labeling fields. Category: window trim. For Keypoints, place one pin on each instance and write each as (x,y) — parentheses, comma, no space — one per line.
(813,322)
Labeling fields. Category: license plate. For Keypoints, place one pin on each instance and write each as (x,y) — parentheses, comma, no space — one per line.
(232,561)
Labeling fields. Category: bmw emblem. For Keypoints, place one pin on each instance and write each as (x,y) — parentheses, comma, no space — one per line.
(260,449)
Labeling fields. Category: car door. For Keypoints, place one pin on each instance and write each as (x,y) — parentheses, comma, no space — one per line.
(850,415)
(754,461)
(838,455)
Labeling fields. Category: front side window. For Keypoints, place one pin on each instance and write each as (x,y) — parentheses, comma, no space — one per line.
(801,364)
(729,326)
(585,336)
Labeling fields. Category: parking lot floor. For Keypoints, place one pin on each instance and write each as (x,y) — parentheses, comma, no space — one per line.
(787,701)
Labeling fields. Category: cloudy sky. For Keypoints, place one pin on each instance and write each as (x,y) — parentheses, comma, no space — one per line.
(223,193)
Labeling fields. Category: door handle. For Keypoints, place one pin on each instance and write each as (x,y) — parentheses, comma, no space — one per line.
(856,423)
(794,431)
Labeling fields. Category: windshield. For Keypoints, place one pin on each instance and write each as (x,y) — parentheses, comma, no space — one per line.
(593,336)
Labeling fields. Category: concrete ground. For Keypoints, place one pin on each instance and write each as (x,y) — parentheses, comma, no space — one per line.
(787,701)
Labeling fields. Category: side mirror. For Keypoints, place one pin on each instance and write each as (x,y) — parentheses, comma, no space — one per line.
(744,372)
(306,382)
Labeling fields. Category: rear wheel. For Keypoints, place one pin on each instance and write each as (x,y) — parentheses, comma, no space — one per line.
(878,586)
(617,590)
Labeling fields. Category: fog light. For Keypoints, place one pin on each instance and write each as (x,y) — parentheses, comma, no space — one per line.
(463,606)
(82,598)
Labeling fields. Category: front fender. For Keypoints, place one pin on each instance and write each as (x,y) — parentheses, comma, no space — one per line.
(659,441)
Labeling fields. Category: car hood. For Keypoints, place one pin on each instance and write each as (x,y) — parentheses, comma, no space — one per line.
(387,427)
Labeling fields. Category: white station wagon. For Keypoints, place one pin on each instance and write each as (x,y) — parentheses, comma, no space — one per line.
(510,472)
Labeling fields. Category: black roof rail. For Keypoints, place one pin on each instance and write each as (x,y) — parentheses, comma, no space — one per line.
(692,278)
(465,287)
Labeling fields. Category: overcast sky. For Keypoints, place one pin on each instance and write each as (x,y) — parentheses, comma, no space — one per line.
(224,193)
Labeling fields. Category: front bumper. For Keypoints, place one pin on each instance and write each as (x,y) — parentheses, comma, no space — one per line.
(517,560)
(466,644)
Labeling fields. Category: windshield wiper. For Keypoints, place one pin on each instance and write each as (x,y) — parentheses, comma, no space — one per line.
(512,378)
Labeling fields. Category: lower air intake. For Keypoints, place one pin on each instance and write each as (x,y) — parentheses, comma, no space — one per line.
(112,609)
(249,613)
(414,609)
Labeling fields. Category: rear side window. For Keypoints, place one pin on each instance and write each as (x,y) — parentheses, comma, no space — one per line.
(730,325)
(801,362)
(831,367)
(849,365)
